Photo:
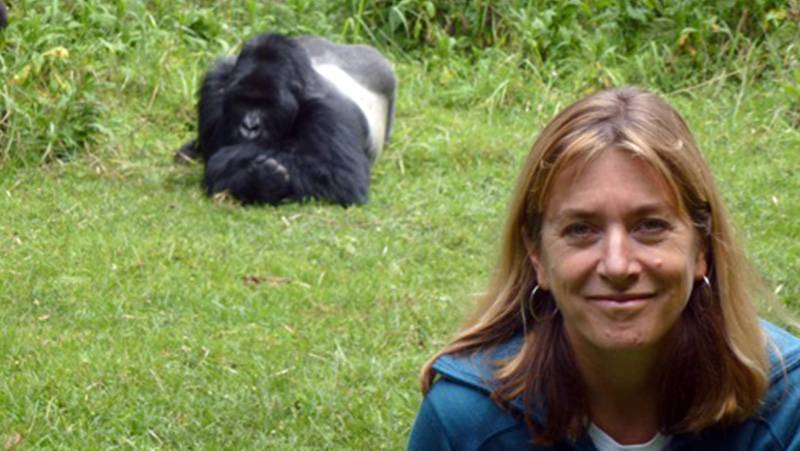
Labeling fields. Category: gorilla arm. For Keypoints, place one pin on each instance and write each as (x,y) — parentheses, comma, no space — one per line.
(329,159)
(247,173)
(324,158)
(212,95)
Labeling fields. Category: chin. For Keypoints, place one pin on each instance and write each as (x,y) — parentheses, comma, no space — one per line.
(620,338)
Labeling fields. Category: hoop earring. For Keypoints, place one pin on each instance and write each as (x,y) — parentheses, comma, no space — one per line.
(533,293)
(706,284)
(532,307)
(702,294)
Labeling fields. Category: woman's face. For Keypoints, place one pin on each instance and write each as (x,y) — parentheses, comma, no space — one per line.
(617,255)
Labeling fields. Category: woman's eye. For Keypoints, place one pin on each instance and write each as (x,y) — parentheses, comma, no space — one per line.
(653,226)
(578,231)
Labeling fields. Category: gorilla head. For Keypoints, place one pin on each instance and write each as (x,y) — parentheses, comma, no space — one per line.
(266,90)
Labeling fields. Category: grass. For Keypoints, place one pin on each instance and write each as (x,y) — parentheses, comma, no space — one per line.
(138,311)
(138,314)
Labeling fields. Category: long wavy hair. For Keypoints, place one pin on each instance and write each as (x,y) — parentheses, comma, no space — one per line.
(715,368)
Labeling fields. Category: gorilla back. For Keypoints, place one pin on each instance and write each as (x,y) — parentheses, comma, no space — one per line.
(290,119)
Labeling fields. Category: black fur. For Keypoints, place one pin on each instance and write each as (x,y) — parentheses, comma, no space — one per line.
(272,130)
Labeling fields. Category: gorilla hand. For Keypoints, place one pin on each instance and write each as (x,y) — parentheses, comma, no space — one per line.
(248,173)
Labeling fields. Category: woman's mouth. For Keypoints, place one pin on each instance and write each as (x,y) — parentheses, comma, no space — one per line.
(621,298)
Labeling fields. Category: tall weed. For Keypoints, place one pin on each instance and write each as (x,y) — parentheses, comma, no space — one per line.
(68,64)
(671,43)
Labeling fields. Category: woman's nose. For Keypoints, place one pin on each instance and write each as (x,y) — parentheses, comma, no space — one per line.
(619,264)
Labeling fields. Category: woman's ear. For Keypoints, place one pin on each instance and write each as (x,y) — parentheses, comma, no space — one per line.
(534,255)
(701,263)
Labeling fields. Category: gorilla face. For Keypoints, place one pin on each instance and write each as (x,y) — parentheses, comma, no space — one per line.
(263,98)
(260,109)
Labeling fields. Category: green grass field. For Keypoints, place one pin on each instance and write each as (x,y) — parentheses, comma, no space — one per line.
(138,314)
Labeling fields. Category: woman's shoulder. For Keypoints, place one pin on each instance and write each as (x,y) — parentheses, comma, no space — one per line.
(784,353)
(476,369)
(777,424)
(779,418)
(456,416)
(459,413)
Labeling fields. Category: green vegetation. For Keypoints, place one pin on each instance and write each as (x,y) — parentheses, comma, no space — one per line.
(136,313)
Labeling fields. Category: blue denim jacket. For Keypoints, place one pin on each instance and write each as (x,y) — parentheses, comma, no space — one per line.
(458,414)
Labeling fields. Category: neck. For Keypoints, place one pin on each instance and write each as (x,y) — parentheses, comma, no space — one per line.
(621,390)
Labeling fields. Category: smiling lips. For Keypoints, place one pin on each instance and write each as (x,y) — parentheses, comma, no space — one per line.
(621,298)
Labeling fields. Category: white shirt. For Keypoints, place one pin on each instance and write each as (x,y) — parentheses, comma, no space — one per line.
(604,442)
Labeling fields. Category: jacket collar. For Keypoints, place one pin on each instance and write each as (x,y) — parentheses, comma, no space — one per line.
(477,369)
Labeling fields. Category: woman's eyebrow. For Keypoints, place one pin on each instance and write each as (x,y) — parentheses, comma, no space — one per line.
(579,212)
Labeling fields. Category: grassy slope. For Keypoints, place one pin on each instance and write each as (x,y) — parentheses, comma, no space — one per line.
(130,318)
(137,313)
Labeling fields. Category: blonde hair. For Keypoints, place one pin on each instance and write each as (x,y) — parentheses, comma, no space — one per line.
(719,336)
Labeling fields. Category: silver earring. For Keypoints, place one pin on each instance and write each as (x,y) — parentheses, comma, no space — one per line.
(707,282)
(533,293)
(532,307)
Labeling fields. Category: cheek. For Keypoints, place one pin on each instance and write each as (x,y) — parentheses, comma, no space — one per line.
(674,270)
(570,271)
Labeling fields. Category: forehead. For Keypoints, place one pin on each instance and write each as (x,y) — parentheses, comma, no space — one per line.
(612,179)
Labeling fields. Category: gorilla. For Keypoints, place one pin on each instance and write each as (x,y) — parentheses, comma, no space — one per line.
(293,119)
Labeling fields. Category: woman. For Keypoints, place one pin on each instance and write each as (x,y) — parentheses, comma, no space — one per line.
(620,315)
